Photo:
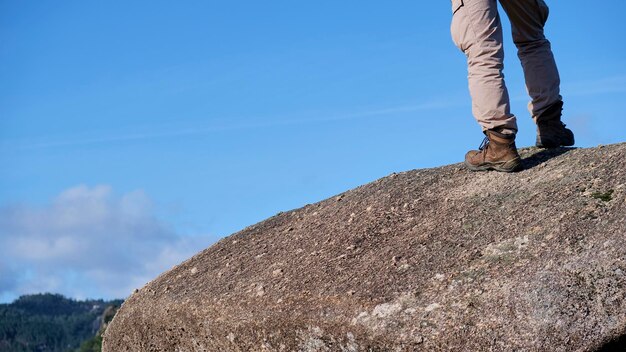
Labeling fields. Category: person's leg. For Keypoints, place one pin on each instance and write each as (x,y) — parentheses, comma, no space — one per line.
(528,18)
(477,31)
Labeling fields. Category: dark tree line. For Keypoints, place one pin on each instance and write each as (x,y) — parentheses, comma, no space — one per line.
(53,323)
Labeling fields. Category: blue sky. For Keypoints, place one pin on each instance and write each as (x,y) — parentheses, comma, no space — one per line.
(135,133)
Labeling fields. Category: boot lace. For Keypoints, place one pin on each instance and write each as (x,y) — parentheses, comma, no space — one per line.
(484,144)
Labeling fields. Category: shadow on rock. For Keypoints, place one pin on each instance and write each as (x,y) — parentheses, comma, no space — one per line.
(534,156)
(616,345)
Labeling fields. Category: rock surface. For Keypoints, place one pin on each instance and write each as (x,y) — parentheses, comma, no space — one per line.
(424,260)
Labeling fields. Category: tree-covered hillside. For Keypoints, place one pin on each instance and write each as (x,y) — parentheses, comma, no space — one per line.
(50,323)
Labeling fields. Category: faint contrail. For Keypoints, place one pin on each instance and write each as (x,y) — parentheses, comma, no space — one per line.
(433,105)
(614,84)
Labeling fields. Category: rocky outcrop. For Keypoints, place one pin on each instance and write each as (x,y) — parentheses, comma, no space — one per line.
(424,260)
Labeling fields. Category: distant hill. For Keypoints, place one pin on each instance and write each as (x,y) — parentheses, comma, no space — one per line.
(51,322)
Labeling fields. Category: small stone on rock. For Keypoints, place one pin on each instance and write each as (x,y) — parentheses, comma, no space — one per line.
(432,307)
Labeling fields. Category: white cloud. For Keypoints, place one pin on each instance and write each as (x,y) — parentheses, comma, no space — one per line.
(87,243)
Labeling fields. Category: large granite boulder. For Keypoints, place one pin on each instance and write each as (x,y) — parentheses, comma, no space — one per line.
(424,260)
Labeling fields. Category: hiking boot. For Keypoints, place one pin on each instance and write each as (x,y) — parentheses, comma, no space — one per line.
(496,152)
(551,132)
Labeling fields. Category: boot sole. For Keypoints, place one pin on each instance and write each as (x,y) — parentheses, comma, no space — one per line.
(503,166)
(552,144)
(565,141)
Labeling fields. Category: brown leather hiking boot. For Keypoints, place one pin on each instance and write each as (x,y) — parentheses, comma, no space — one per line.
(497,152)
(551,132)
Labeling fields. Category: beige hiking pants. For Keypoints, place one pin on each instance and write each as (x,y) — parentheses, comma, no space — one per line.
(477,31)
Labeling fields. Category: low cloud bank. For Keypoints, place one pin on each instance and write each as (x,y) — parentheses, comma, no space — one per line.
(87,243)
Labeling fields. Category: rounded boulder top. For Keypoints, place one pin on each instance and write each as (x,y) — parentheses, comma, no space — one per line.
(431,259)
